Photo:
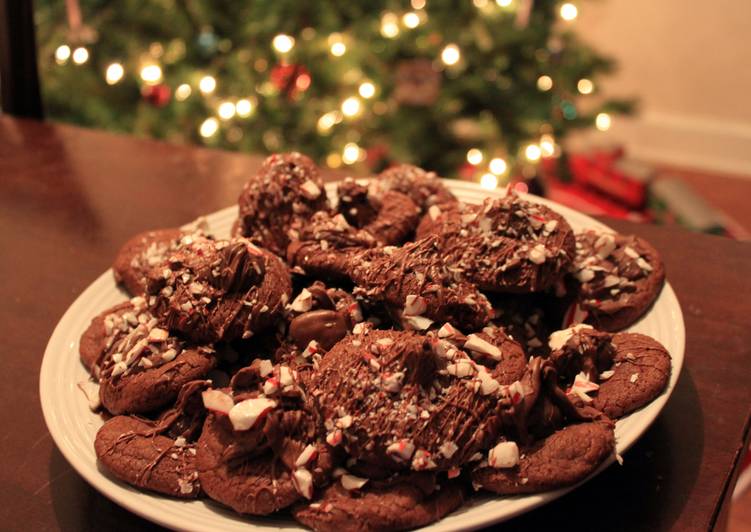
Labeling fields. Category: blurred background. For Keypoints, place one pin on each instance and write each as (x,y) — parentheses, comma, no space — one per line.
(630,108)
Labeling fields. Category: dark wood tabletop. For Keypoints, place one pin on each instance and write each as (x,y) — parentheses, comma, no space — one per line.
(70,197)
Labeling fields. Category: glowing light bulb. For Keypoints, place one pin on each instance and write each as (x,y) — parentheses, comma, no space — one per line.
(451,55)
(474,156)
(209,127)
(503,3)
(569,11)
(151,74)
(497,166)
(62,54)
(327,121)
(418,4)
(544,83)
(351,106)
(547,145)
(207,85)
(80,55)
(366,89)
(283,43)
(350,153)
(488,181)
(338,49)
(334,160)
(585,86)
(533,152)
(389,25)
(603,121)
(411,19)
(183,92)
(114,73)
(226,110)
(244,108)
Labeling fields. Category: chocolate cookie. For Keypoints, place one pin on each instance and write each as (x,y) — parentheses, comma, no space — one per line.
(140,254)
(391,217)
(404,502)
(619,278)
(258,451)
(140,366)
(424,188)
(641,371)
(327,246)
(212,290)
(396,400)
(615,373)
(156,455)
(418,287)
(511,245)
(562,459)
(280,200)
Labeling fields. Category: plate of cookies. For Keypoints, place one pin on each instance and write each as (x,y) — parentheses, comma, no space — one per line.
(391,353)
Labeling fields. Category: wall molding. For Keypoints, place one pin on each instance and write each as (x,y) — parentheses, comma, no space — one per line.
(694,142)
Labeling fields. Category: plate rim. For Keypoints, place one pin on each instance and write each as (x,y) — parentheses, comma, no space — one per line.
(113,489)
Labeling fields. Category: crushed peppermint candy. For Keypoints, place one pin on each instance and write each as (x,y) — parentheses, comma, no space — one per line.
(462,368)
(414,305)
(422,460)
(303,302)
(583,386)
(351,482)
(448,449)
(303,482)
(504,455)
(537,254)
(634,378)
(417,323)
(310,190)
(401,450)
(559,338)
(307,455)
(478,345)
(245,414)
(217,401)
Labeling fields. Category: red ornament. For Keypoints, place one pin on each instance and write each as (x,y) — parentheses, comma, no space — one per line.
(156,95)
(290,80)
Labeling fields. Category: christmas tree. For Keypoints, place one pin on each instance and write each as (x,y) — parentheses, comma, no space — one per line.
(474,89)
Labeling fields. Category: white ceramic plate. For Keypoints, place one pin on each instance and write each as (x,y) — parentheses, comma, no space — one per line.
(73,426)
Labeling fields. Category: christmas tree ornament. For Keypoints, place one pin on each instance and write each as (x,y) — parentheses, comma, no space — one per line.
(417,83)
(290,80)
(157,95)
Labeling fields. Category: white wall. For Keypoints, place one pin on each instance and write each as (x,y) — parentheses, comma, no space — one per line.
(689,62)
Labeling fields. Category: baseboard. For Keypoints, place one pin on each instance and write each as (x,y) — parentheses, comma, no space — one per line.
(689,142)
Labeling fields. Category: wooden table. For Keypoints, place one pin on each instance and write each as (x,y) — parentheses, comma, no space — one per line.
(70,197)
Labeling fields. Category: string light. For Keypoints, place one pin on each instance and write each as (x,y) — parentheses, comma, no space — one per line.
(498,166)
(569,11)
(226,110)
(334,160)
(547,145)
(366,89)
(474,156)
(80,55)
(207,85)
(183,92)
(151,74)
(338,49)
(411,19)
(488,181)
(327,121)
(417,4)
(283,43)
(209,127)
(62,54)
(389,25)
(532,152)
(544,83)
(350,153)
(603,121)
(585,86)
(503,3)
(244,108)
(451,55)
(351,106)
(114,73)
